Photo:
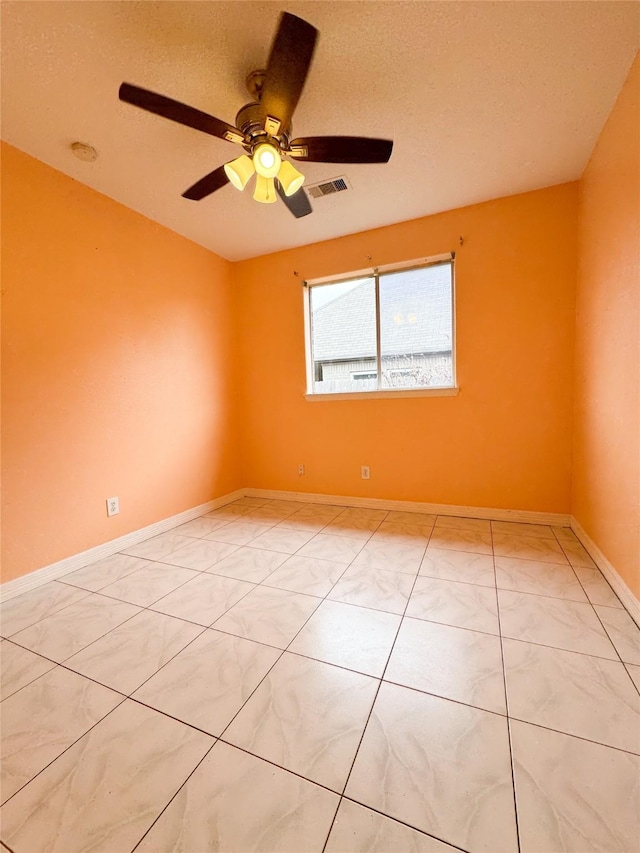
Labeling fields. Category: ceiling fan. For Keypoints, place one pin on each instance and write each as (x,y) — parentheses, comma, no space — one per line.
(263,127)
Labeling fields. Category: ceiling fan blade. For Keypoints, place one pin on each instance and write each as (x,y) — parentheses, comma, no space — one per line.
(207,185)
(288,66)
(341,149)
(298,203)
(183,114)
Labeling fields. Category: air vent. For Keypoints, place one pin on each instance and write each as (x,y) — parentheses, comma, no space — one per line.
(337,185)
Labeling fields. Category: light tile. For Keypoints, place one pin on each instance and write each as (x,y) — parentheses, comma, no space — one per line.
(540,531)
(421,762)
(458,566)
(375,588)
(203,599)
(455,522)
(266,615)
(573,795)
(200,526)
(577,555)
(569,625)
(158,547)
(318,511)
(460,604)
(355,528)
(439,766)
(239,532)
(538,578)
(306,574)
(359,830)
(528,548)
(66,632)
(286,506)
(42,720)
(585,696)
(250,502)
(403,531)
(236,803)
(19,667)
(267,515)
(393,556)
(340,549)
(473,541)
(451,662)
(229,512)
(27,609)
(249,564)
(623,631)
(98,575)
(425,519)
(107,789)
(148,584)
(209,681)
(307,717)
(634,672)
(564,534)
(358,512)
(282,539)
(125,657)
(596,587)
(352,637)
(199,554)
(293,522)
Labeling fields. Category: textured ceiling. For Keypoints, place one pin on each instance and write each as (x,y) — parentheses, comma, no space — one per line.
(483,99)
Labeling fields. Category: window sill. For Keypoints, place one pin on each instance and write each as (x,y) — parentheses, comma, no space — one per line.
(381,395)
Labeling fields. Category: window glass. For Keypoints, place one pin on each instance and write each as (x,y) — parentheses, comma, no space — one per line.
(343,337)
(416,328)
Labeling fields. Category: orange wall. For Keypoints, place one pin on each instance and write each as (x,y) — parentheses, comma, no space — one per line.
(117,342)
(505,441)
(606,476)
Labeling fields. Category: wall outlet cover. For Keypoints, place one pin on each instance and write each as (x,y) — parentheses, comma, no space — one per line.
(113,506)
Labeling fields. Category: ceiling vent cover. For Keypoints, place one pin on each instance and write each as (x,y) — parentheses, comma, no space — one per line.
(337,185)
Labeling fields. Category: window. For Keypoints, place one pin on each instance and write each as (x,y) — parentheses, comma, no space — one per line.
(389,330)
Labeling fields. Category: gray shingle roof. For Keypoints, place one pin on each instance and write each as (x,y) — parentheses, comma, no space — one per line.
(415,317)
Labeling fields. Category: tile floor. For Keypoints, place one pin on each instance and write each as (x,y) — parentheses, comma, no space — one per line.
(284,677)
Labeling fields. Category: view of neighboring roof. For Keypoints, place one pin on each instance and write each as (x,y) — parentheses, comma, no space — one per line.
(415,317)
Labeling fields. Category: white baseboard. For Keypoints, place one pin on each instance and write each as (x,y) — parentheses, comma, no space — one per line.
(56,570)
(41,576)
(528,516)
(620,588)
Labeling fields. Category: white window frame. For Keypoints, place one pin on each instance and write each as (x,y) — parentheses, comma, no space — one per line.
(375,272)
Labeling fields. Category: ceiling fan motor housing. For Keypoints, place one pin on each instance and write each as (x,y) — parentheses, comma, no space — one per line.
(251,122)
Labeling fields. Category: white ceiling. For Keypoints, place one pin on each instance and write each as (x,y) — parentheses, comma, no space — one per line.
(483,99)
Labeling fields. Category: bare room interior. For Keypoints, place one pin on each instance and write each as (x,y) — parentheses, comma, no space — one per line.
(320,427)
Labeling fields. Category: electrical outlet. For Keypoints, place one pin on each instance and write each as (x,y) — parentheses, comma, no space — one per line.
(113,506)
(301,470)
(365,472)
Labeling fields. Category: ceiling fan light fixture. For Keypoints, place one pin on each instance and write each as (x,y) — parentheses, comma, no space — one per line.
(265,190)
(263,127)
(290,178)
(266,160)
(239,171)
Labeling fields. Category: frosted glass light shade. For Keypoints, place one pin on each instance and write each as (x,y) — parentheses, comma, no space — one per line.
(265,190)
(239,171)
(290,178)
(266,160)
